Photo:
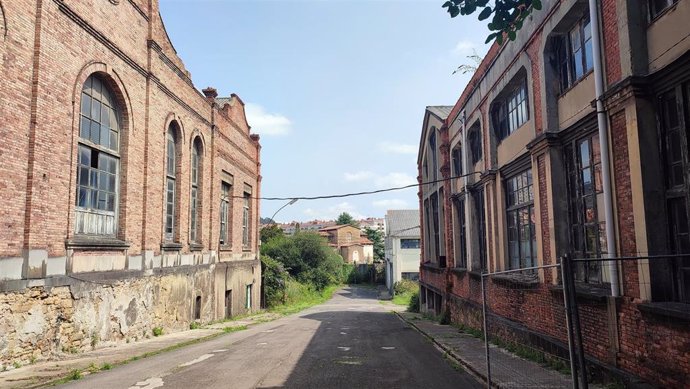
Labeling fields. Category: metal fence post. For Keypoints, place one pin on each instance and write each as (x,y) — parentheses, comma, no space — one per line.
(486,335)
(575,318)
(569,320)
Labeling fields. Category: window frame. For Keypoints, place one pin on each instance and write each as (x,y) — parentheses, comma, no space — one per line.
(172,171)
(511,112)
(413,247)
(461,233)
(519,200)
(566,53)
(103,166)
(225,237)
(456,156)
(195,195)
(474,138)
(585,228)
(246,221)
(655,13)
(480,225)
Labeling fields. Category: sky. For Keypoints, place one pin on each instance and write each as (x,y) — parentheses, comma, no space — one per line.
(336,88)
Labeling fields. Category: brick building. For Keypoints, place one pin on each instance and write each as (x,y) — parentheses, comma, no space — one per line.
(522,163)
(128,197)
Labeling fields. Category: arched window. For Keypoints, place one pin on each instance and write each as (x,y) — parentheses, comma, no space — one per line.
(171,171)
(98,160)
(195,195)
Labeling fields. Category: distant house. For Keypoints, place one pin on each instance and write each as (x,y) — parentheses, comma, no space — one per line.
(402,245)
(349,243)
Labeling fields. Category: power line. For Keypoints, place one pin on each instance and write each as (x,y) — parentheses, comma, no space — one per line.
(370,192)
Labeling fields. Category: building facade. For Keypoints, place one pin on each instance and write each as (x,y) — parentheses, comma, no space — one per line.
(349,242)
(520,165)
(402,244)
(129,198)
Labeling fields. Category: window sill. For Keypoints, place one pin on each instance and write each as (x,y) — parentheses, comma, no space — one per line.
(659,15)
(576,83)
(171,246)
(587,292)
(433,267)
(96,243)
(196,247)
(674,310)
(475,274)
(461,271)
(224,247)
(526,280)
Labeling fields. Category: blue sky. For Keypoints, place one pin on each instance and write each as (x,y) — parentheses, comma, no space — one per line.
(337,89)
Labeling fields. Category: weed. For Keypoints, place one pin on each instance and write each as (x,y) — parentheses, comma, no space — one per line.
(4,367)
(74,375)
(157,331)
(16,364)
(32,359)
(73,350)
(106,366)
(94,340)
(194,325)
(92,368)
(234,329)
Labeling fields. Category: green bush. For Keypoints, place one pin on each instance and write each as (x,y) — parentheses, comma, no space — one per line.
(414,302)
(157,331)
(405,286)
(274,280)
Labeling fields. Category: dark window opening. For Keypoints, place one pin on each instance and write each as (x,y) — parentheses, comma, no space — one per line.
(457,161)
(228,304)
(475,140)
(656,7)
(409,244)
(461,231)
(197,308)
(574,53)
(511,112)
(478,199)
(225,212)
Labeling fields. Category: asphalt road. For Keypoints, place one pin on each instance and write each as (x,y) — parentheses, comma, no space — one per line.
(349,342)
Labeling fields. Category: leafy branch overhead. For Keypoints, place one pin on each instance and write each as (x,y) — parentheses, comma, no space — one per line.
(507,16)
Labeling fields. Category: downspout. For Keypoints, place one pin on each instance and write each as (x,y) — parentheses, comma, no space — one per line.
(464,172)
(604,146)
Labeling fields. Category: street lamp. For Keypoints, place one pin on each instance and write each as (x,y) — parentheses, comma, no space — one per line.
(279,209)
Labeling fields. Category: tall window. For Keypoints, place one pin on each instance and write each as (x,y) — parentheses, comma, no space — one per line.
(98,160)
(512,112)
(194,196)
(478,199)
(435,218)
(475,140)
(432,146)
(457,161)
(170,181)
(656,7)
(588,232)
(246,230)
(225,207)
(461,233)
(675,138)
(522,242)
(248,297)
(575,54)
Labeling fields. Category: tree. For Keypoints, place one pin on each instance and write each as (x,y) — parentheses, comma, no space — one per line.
(345,218)
(269,232)
(508,15)
(376,236)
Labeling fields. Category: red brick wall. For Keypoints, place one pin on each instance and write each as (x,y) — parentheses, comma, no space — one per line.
(67,53)
(611,48)
(534,54)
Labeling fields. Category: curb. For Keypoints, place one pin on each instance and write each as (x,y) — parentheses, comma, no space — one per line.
(451,353)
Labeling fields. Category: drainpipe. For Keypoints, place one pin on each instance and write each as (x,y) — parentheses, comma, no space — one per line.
(604,145)
(465,170)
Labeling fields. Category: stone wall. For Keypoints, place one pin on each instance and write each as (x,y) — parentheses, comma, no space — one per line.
(100,309)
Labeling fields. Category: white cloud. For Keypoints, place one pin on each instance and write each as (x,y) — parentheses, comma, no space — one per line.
(265,123)
(359,176)
(390,204)
(395,180)
(397,148)
(464,47)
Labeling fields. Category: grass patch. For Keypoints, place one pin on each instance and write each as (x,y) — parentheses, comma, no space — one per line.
(300,297)
(234,329)
(106,366)
(403,299)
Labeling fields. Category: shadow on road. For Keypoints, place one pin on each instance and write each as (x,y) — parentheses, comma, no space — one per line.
(364,347)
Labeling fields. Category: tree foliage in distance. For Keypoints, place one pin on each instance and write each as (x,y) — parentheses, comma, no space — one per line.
(345,218)
(507,16)
(376,236)
(307,257)
(269,232)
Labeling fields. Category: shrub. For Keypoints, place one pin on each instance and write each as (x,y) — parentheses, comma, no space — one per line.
(405,286)
(194,325)
(414,302)
(157,331)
